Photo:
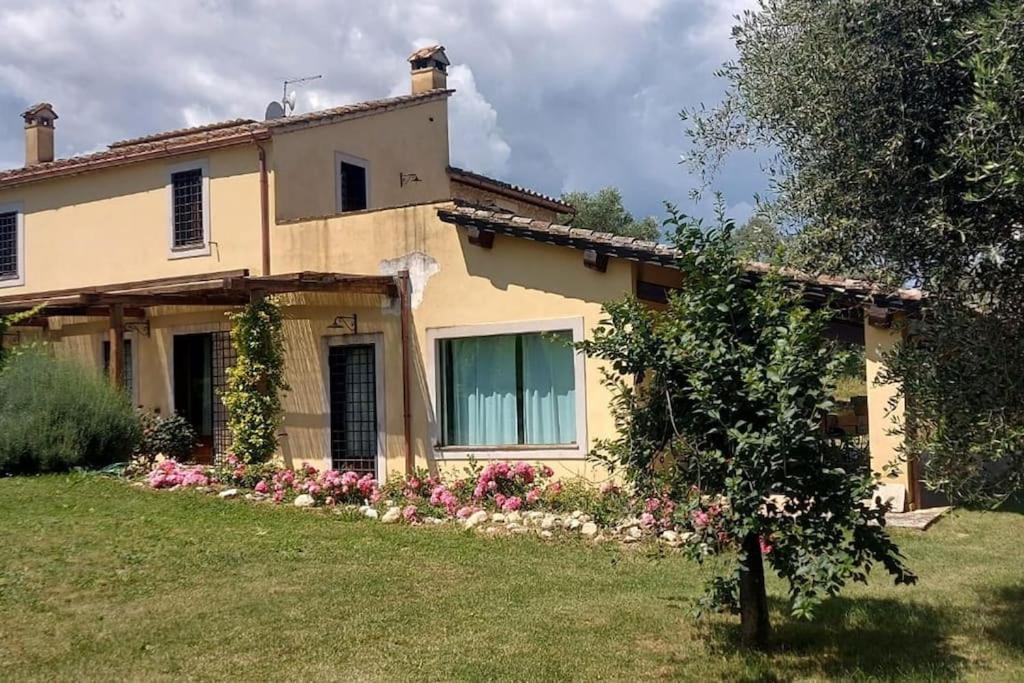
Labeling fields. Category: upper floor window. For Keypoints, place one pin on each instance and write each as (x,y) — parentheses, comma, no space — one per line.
(12,247)
(353,187)
(190,209)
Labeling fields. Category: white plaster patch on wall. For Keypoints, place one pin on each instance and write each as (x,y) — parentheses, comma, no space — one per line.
(421,268)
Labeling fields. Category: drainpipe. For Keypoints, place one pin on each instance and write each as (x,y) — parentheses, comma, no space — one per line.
(264,210)
(403,298)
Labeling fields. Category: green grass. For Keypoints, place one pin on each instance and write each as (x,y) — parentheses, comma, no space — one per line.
(103,581)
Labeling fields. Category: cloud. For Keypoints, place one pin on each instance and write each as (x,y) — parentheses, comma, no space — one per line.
(551,95)
(475,137)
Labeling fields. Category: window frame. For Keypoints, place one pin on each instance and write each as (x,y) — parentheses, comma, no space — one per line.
(18,279)
(376,339)
(173,252)
(576,451)
(129,337)
(355,161)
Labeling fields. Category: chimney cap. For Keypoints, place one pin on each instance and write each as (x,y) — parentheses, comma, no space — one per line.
(425,55)
(43,110)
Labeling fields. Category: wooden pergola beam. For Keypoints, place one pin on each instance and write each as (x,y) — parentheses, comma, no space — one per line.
(230,288)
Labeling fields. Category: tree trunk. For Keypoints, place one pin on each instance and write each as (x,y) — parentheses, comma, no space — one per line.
(754,623)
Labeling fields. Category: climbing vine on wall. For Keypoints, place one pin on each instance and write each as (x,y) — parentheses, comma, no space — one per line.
(255,383)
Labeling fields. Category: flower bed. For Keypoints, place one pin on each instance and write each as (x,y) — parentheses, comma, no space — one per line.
(501,497)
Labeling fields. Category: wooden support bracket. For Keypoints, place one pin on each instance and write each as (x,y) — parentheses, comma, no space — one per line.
(595,261)
(480,238)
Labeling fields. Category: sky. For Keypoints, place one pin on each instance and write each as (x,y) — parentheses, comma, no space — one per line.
(556,95)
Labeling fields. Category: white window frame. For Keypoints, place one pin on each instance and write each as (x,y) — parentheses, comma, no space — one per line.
(355,161)
(202,165)
(18,209)
(376,339)
(526,451)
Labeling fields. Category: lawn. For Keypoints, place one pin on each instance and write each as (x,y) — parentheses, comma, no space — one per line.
(100,580)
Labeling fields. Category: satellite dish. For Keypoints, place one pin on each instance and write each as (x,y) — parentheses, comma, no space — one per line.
(289,100)
(274,111)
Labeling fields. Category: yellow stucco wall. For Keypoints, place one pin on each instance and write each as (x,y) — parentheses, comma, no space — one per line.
(516,281)
(412,140)
(113,225)
(884,418)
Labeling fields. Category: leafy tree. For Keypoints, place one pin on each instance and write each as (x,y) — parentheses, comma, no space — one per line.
(898,129)
(734,384)
(603,211)
(256,381)
(758,240)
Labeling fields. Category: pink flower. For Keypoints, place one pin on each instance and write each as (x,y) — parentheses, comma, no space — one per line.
(499,500)
(647,520)
(700,519)
(547,471)
(510,504)
(652,504)
(524,471)
(464,512)
(766,546)
(410,514)
(533,495)
(555,487)
(261,486)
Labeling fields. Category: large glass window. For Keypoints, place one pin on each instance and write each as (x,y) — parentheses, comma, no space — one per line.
(508,389)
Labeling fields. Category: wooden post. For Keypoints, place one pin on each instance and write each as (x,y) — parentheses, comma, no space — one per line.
(116,337)
(403,296)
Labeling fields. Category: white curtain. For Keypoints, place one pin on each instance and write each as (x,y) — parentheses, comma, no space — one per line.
(549,389)
(482,397)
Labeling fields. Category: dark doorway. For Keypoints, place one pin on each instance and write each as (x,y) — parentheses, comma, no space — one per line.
(353,395)
(200,372)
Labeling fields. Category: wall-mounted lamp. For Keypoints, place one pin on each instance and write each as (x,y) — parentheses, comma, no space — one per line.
(349,324)
(139,326)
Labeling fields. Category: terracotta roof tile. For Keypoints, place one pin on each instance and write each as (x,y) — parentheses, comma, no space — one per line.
(502,187)
(181,132)
(426,52)
(186,140)
(643,250)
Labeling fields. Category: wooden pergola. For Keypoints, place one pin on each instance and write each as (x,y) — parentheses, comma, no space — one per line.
(131,300)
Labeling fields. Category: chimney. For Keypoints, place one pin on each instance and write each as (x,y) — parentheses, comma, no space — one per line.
(429,69)
(39,133)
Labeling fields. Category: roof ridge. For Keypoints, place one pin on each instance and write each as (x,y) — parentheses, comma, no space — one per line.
(166,143)
(178,132)
(455,170)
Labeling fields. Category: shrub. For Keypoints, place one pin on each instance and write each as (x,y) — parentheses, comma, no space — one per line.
(56,415)
(172,436)
(256,380)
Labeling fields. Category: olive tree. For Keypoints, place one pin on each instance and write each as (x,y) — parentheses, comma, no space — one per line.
(898,145)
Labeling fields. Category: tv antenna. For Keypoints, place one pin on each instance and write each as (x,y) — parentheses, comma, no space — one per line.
(288,96)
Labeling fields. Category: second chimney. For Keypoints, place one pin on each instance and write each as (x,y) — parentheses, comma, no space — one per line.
(429,69)
(39,133)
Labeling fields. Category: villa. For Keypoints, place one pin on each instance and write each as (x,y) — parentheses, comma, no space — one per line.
(425,305)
